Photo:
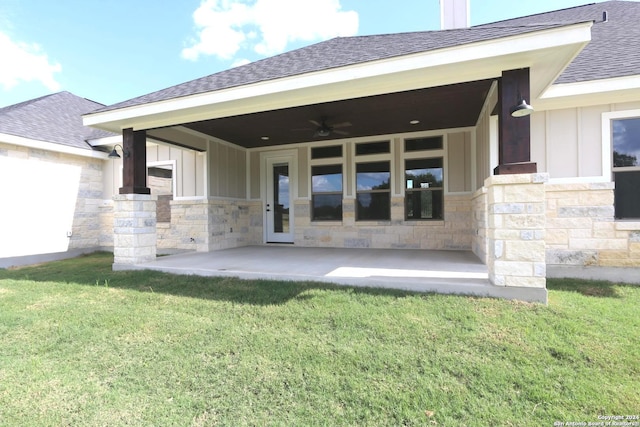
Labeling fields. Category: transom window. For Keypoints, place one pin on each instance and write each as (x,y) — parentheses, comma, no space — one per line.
(626,167)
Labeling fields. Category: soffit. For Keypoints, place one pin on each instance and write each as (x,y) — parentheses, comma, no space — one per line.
(446,87)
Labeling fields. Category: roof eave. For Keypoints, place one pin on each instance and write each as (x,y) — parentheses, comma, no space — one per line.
(591,92)
(547,52)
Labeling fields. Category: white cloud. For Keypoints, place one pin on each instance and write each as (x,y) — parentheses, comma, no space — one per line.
(265,26)
(23,62)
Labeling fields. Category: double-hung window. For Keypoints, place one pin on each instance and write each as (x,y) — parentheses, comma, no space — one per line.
(326,183)
(625,137)
(424,179)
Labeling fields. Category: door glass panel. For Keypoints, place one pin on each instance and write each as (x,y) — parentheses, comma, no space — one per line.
(281,198)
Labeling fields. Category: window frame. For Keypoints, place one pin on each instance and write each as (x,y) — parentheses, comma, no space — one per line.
(327,193)
(373,158)
(424,155)
(608,148)
(327,161)
(386,191)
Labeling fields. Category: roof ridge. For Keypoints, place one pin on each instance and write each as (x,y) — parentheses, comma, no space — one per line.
(492,24)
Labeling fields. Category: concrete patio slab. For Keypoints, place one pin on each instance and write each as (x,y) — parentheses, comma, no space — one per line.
(451,272)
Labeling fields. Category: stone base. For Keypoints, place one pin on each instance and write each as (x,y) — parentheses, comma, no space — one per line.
(134,228)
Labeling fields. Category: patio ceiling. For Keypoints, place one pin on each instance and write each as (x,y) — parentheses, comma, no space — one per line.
(442,107)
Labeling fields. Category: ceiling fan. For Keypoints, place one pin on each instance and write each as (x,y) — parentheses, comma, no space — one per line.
(324,129)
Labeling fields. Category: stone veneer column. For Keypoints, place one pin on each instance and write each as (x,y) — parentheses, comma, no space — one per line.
(516,221)
(134,229)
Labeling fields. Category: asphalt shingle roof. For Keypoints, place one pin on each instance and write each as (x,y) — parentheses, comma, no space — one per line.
(613,51)
(55,118)
(334,53)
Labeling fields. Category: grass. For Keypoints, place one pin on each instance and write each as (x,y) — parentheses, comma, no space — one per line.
(83,345)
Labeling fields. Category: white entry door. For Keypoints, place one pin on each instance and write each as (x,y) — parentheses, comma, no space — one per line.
(279,200)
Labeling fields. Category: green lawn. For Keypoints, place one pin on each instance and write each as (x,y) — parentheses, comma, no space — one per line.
(81,345)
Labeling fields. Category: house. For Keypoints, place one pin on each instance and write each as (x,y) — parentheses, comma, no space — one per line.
(53,181)
(421,140)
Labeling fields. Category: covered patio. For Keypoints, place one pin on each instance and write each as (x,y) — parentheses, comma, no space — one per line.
(404,143)
(450,272)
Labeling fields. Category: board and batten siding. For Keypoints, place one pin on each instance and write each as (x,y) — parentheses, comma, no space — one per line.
(189,173)
(567,143)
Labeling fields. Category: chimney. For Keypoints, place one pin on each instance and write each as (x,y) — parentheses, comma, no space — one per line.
(454,14)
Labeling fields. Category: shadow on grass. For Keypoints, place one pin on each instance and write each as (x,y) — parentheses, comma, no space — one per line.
(590,288)
(95,270)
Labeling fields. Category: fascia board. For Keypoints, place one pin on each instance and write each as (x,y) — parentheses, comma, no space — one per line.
(481,60)
(593,92)
(51,146)
(109,140)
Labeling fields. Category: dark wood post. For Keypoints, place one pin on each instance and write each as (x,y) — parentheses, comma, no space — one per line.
(515,132)
(134,162)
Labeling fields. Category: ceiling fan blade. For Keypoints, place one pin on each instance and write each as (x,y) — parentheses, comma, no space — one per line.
(340,132)
(341,125)
(313,122)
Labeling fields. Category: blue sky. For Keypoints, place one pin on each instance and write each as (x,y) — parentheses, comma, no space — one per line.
(110,51)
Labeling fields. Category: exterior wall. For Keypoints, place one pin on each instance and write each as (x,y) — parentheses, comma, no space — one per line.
(480,221)
(55,198)
(204,225)
(484,163)
(582,231)
(454,233)
(567,143)
(227,170)
(188,170)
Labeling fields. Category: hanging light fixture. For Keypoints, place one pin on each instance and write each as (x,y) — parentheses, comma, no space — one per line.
(521,110)
(114,154)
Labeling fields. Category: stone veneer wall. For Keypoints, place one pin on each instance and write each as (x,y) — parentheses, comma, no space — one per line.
(210,224)
(480,224)
(454,233)
(582,230)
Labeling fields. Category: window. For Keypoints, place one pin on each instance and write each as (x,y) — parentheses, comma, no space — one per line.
(626,167)
(367,148)
(326,152)
(326,193)
(424,188)
(373,191)
(421,144)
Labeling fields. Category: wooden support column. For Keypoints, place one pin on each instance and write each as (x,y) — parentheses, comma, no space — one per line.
(515,132)
(134,162)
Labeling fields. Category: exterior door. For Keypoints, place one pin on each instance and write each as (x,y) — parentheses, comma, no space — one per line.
(279,201)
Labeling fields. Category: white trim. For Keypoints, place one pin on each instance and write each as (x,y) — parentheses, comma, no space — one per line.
(108,140)
(51,146)
(291,157)
(607,145)
(494,144)
(592,87)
